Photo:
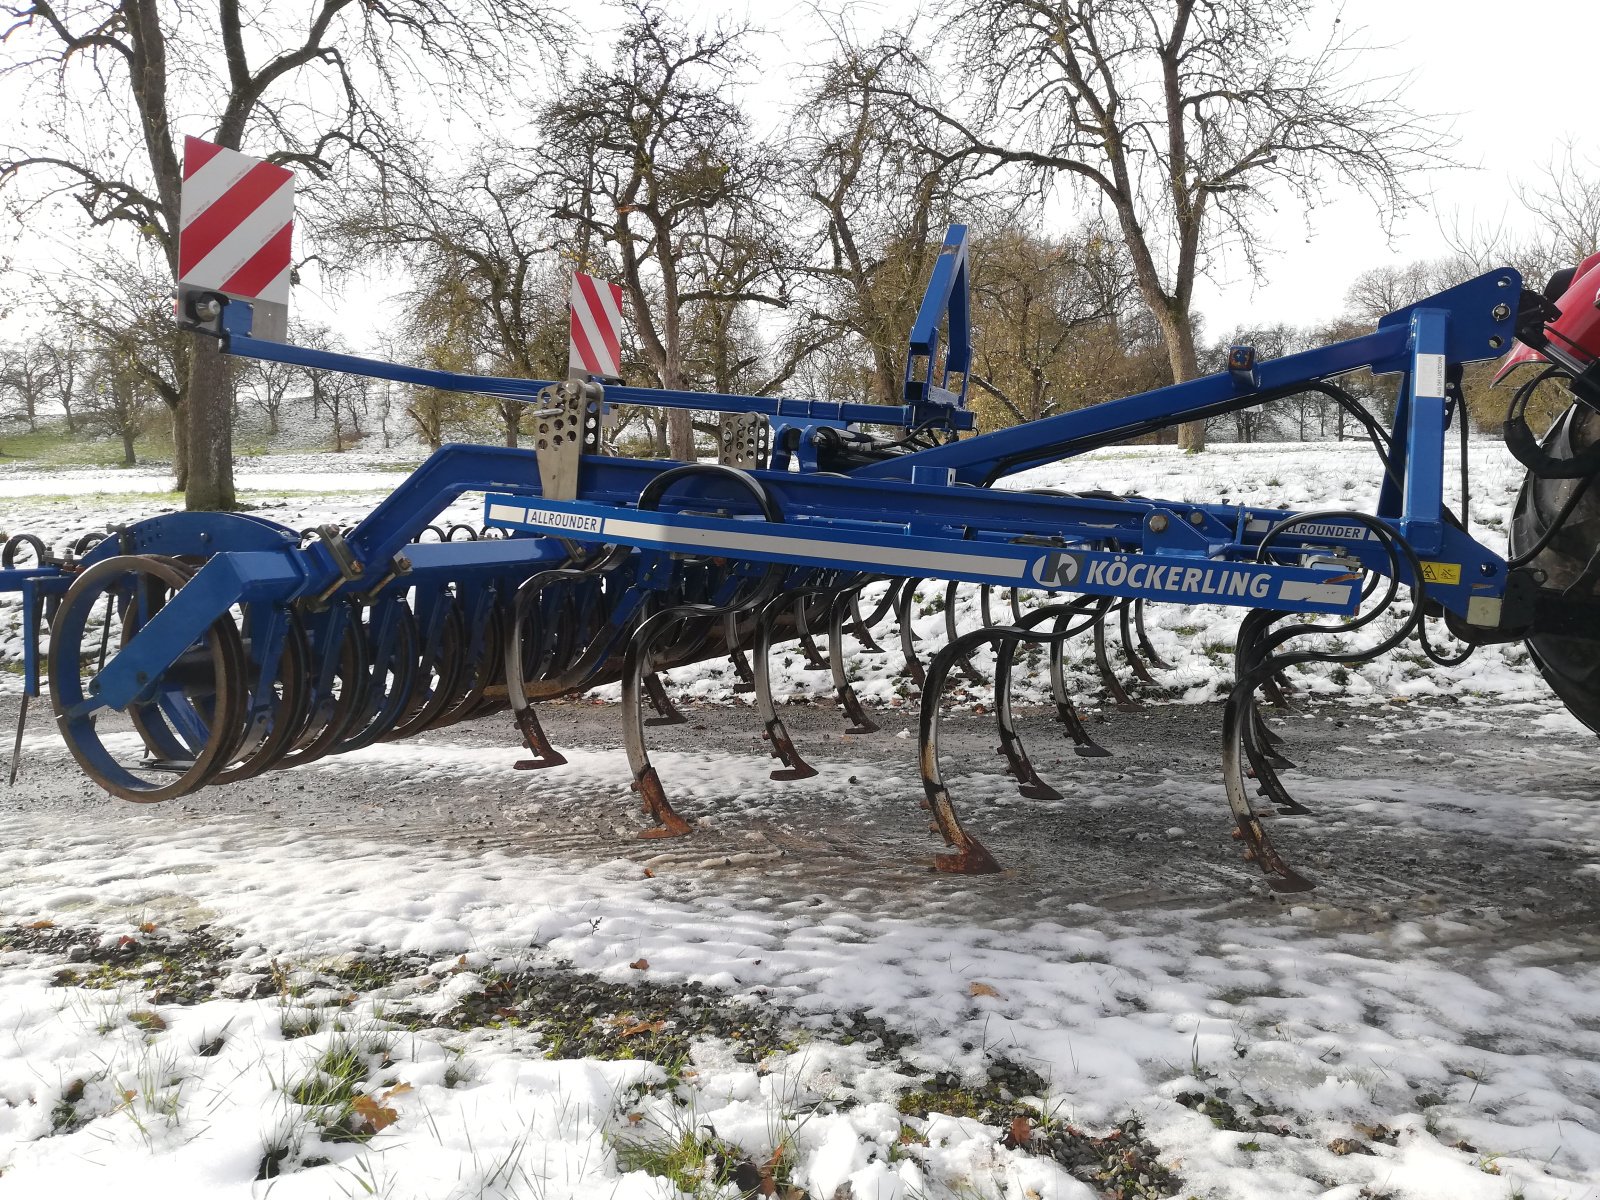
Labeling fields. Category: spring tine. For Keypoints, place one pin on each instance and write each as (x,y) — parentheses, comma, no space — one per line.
(971,857)
(908,636)
(1108,677)
(666,712)
(775,732)
(1016,605)
(1260,741)
(842,690)
(16,744)
(1125,631)
(1263,765)
(971,672)
(734,636)
(985,612)
(635,666)
(534,737)
(1015,753)
(1277,688)
(1247,655)
(1084,745)
(1145,646)
(1251,667)
(861,627)
(808,644)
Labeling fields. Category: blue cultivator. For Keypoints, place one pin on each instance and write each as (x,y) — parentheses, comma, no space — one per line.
(193,649)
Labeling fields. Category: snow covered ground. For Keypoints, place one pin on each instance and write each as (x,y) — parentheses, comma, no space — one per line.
(1262,1051)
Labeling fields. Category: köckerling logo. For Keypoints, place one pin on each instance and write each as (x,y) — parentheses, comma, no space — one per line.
(1058,569)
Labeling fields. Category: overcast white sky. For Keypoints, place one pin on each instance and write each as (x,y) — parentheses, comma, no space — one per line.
(1515,81)
(1518,81)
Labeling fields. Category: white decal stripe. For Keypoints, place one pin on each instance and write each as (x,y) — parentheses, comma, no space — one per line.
(507,512)
(252,233)
(802,547)
(611,312)
(207,185)
(1319,593)
(277,292)
(602,364)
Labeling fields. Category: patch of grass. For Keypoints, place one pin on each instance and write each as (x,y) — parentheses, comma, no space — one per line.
(1121,1163)
(172,967)
(332,1089)
(994,1102)
(299,1023)
(697,1163)
(64,1116)
(52,445)
(579,1016)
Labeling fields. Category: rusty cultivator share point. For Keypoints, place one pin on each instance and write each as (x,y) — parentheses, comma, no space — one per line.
(232,646)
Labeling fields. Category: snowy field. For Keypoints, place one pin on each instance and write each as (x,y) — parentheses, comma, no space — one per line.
(202,1002)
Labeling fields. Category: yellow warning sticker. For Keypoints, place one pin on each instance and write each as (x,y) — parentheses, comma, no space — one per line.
(1438,572)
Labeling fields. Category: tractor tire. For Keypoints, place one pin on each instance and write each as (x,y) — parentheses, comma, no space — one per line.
(1570,665)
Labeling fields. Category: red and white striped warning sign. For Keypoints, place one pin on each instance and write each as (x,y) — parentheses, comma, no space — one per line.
(235,225)
(595,347)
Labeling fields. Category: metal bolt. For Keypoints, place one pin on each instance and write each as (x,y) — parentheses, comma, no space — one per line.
(1158,523)
(207,309)
(1501,312)
(1197,518)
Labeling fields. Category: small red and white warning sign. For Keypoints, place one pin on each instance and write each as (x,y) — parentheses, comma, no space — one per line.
(595,347)
(235,226)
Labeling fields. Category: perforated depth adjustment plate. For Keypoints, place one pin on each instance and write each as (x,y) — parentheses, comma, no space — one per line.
(567,426)
(743,440)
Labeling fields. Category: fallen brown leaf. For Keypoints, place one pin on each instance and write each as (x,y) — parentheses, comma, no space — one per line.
(638,1027)
(373,1113)
(983,989)
(1020,1133)
(640,964)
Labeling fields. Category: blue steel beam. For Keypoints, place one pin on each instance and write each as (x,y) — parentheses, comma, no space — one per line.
(1482,323)
(883,552)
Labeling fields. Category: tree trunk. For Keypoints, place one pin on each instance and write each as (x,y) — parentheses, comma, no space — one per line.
(180,448)
(127,449)
(680,434)
(511,418)
(1177,329)
(66,407)
(210,450)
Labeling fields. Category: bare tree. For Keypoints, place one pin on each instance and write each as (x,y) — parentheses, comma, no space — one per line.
(118,307)
(481,253)
(649,157)
(27,375)
(1181,116)
(312,86)
(885,185)
(117,398)
(1566,209)
(66,361)
(1033,299)
(266,386)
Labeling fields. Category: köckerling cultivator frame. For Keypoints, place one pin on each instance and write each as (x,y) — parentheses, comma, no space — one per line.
(232,645)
